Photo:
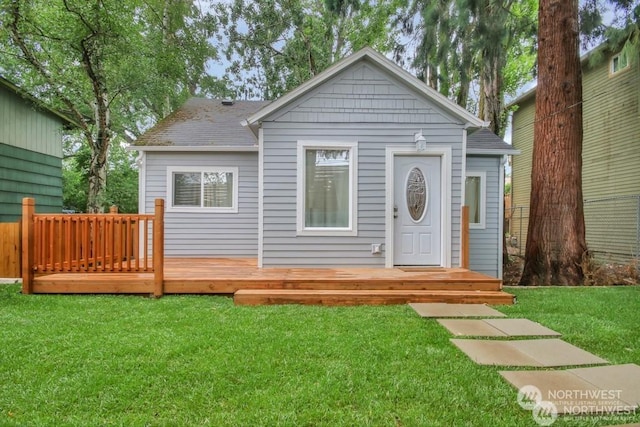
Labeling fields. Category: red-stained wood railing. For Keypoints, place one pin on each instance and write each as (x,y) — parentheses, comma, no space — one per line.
(92,243)
(464,243)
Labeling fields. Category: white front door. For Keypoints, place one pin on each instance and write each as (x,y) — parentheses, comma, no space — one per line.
(417,210)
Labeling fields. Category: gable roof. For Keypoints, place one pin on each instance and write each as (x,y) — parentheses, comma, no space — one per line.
(483,141)
(66,121)
(202,122)
(385,64)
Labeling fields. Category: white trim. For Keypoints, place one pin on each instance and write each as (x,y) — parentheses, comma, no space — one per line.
(260,196)
(173,169)
(482,225)
(442,151)
(501,216)
(189,148)
(352,229)
(491,152)
(141,161)
(384,63)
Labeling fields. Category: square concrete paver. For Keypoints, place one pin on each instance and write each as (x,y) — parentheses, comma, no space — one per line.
(471,328)
(521,327)
(454,310)
(600,389)
(539,352)
(496,327)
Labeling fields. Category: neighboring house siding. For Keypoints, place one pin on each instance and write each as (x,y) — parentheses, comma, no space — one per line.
(214,234)
(523,122)
(611,155)
(30,157)
(366,106)
(25,173)
(23,126)
(484,256)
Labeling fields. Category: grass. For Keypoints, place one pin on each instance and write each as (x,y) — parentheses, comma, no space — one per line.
(199,360)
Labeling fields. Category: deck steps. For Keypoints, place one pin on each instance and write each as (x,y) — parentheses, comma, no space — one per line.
(367,296)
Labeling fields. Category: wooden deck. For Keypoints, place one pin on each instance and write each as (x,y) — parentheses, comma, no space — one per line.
(252,285)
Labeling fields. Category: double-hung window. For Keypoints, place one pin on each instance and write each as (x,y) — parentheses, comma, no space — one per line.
(475,196)
(202,189)
(327,188)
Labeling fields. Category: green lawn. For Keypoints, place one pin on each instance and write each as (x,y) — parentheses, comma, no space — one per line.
(199,360)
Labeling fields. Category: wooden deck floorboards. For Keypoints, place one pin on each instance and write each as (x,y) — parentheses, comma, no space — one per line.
(227,276)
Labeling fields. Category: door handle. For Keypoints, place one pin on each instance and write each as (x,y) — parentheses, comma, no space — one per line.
(395,211)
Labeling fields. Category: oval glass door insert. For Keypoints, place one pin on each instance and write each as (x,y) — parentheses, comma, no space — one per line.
(417,194)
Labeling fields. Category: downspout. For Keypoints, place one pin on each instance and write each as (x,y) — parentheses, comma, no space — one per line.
(141,162)
(503,161)
(260,195)
(463,179)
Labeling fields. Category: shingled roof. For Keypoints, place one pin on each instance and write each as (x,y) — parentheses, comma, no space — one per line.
(483,141)
(204,122)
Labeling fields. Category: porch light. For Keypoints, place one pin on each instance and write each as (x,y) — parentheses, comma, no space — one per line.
(420,140)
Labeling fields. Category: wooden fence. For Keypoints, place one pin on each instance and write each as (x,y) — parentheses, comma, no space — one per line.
(92,243)
(10,249)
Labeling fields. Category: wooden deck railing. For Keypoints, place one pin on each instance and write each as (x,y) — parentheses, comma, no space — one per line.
(464,241)
(92,243)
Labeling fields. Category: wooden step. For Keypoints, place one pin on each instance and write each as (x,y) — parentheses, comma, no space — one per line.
(367,297)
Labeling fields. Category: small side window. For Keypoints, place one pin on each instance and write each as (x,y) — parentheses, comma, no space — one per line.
(619,63)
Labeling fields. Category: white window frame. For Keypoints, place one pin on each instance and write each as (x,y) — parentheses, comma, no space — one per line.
(619,56)
(190,169)
(483,199)
(352,228)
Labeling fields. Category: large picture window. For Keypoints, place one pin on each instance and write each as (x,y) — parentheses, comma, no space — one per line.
(475,197)
(192,189)
(326,188)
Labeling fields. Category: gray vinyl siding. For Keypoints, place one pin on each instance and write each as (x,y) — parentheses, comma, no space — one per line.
(207,234)
(362,105)
(23,126)
(484,249)
(25,173)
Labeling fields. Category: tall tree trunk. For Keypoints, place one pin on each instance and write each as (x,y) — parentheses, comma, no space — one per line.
(556,235)
(491,85)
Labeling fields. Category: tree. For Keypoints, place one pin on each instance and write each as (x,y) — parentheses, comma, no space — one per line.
(276,45)
(113,66)
(462,42)
(122,188)
(556,244)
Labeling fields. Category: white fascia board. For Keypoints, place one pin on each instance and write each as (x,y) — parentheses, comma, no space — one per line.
(176,148)
(490,152)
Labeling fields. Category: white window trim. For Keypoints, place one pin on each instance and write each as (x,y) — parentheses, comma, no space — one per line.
(173,169)
(483,199)
(619,70)
(352,229)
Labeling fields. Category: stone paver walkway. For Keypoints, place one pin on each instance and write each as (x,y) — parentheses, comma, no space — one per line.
(577,391)
(496,328)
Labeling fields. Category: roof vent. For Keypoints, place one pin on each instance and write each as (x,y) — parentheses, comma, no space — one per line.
(227,102)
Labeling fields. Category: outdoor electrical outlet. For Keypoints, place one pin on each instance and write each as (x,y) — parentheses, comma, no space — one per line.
(375,248)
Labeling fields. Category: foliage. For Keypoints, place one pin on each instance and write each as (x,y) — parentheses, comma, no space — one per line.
(200,360)
(113,66)
(276,45)
(122,178)
(464,44)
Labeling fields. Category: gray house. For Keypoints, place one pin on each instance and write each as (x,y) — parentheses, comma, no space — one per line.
(363,165)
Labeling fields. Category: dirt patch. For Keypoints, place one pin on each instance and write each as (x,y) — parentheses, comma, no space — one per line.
(596,273)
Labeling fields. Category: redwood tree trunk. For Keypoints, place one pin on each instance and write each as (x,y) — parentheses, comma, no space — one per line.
(556,243)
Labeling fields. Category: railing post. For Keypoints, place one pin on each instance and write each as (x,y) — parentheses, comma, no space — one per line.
(158,248)
(113,209)
(28,209)
(464,229)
